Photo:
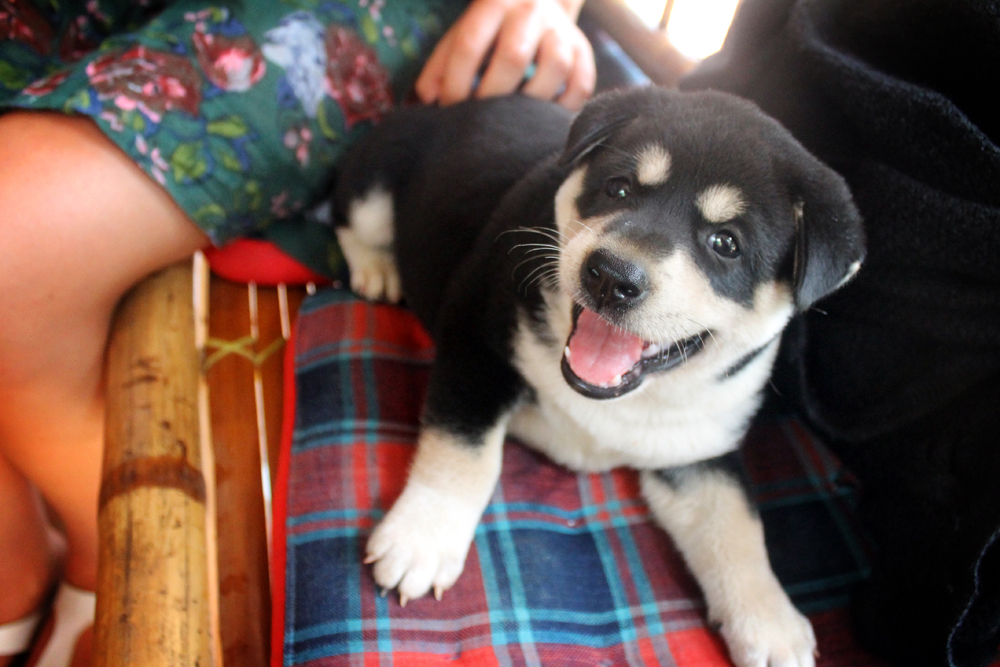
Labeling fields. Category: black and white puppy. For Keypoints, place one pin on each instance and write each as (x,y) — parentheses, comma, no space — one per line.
(611,290)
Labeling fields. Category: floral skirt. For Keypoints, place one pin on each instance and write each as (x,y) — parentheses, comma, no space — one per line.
(239,108)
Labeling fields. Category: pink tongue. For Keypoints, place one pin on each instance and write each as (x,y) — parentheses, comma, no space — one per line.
(599,352)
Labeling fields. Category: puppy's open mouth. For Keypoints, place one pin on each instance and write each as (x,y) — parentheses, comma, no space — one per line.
(603,361)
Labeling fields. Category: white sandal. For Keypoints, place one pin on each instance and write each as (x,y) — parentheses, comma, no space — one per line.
(16,636)
(73,613)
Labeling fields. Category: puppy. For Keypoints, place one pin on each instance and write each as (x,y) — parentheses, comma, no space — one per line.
(610,289)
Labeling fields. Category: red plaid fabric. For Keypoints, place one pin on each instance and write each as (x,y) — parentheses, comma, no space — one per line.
(566,569)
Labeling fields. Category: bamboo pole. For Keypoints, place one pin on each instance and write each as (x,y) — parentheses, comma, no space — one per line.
(153,604)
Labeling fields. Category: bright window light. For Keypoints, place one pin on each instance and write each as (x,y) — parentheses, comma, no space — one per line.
(650,11)
(697,27)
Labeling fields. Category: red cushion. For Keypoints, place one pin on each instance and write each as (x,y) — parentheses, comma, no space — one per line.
(251,260)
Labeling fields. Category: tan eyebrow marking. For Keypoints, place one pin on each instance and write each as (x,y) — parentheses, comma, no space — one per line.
(720,203)
(654,165)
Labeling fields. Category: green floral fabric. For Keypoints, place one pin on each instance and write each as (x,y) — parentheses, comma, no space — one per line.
(239,109)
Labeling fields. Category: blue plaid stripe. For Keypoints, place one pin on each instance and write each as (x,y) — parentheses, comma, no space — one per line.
(575,575)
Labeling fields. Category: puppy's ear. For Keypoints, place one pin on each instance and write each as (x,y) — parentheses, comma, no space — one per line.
(598,119)
(829,235)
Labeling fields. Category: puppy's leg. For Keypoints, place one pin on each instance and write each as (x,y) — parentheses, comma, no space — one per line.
(705,509)
(367,245)
(471,393)
(423,540)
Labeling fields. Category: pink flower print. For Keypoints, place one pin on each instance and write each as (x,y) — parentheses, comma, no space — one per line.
(46,85)
(158,160)
(355,77)
(234,64)
(113,120)
(94,8)
(278,205)
(159,167)
(298,139)
(152,81)
(20,21)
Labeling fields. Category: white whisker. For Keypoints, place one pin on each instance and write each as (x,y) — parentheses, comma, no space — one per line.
(535,270)
(554,234)
(548,276)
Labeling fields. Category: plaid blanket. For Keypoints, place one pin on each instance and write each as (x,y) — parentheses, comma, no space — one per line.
(566,569)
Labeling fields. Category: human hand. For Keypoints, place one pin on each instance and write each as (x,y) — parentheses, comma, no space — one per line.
(512,34)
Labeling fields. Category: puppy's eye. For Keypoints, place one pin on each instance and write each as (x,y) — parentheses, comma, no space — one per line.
(724,244)
(618,188)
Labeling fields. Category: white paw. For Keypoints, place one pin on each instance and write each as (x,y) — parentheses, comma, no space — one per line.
(377,279)
(422,542)
(373,270)
(769,633)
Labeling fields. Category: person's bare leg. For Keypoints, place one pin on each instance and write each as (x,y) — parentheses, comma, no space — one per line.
(29,549)
(80,223)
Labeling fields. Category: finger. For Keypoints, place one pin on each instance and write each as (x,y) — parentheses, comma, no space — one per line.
(428,85)
(473,36)
(581,80)
(516,45)
(555,59)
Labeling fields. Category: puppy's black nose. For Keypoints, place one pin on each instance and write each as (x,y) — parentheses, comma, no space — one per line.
(612,282)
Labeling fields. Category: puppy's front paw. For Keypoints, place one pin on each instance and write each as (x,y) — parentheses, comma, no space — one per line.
(373,270)
(422,542)
(769,632)
(377,278)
